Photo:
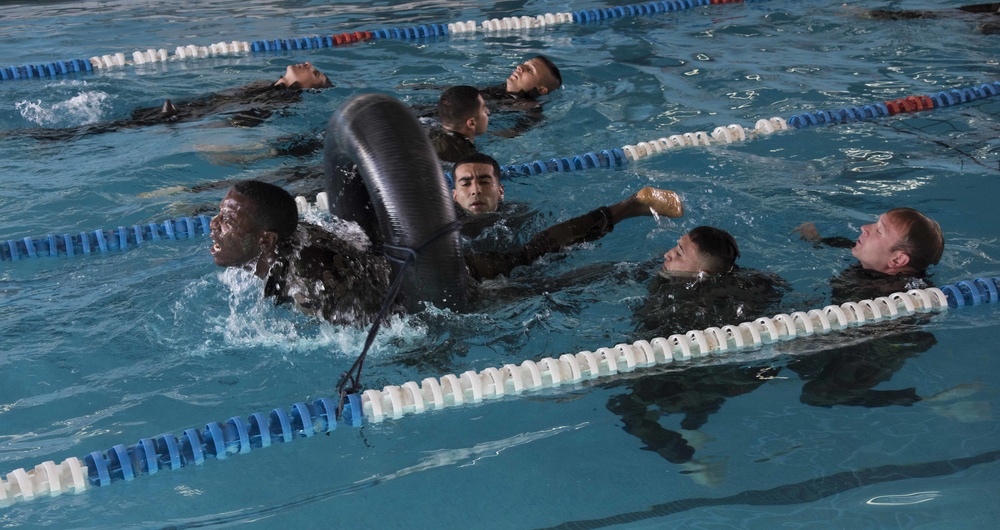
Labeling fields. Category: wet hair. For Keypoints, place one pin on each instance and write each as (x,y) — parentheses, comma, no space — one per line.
(274,208)
(458,104)
(921,238)
(478,158)
(717,246)
(553,69)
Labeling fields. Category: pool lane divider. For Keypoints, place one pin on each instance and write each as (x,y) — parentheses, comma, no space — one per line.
(314,42)
(240,435)
(620,156)
(125,238)
(102,241)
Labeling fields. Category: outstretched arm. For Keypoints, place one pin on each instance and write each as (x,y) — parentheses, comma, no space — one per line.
(807,232)
(588,227)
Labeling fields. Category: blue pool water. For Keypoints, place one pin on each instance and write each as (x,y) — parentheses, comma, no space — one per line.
(108,349)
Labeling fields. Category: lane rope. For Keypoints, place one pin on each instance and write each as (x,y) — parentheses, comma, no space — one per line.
(239,435)
(621,156)
(313,42)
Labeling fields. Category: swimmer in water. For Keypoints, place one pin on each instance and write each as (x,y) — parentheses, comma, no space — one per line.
(893,254)
(247,106)
(322,274)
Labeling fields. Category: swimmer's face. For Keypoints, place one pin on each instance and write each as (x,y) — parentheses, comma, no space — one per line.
(876,244)
(305,75)
(477,189)
(235,235)
(685,257)
(530,76)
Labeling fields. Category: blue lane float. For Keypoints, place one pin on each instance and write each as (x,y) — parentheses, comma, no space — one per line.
(104,241)
(620,156)
(241,435)
(313,42)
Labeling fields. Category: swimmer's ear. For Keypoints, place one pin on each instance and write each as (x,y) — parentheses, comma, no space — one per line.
(268,240)
(501,192)
(899,260)
(543,90)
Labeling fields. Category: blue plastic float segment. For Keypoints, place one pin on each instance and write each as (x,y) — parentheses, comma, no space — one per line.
(352,414)
(242,432)
(168,229)
(97,469)
(989,289)
(215,443)
(120,460)
(192,448)
(281,424)
(150,460)
(302,419)
(206,224)
(259,429)
(29,248)
(955,297)
(102,243)
(974,293)
(613,157)
(168,450)
(327,412)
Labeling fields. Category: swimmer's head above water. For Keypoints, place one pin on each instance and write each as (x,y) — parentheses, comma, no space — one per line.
(704,249)
(900,241)
(477,184)
(303,75)
(535,76)
(254,217)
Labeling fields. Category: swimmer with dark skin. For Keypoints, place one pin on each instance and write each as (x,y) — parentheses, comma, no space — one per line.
(257,229)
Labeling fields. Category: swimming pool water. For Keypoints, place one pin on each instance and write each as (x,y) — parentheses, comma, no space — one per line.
(107,349)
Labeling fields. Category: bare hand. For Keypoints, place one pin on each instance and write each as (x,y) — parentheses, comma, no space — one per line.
(807,231)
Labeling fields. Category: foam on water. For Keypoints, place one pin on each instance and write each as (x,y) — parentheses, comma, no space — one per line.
(86,107)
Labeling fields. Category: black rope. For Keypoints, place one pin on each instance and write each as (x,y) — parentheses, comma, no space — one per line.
(353,376)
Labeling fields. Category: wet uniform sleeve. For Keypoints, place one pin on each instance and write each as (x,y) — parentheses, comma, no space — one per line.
(588,227)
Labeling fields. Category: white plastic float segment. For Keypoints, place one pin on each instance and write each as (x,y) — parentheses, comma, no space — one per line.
(570,369)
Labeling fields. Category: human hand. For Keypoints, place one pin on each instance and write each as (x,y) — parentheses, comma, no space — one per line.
(807,231)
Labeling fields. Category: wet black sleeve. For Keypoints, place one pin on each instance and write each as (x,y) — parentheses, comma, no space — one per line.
(588,227)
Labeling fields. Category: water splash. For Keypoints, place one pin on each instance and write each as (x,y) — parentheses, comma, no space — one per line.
(82,109)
